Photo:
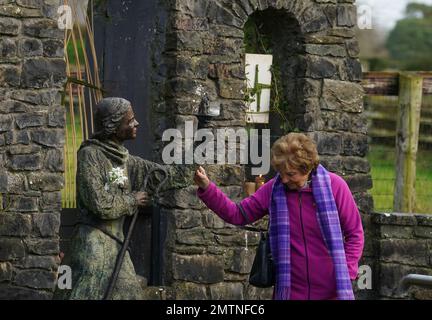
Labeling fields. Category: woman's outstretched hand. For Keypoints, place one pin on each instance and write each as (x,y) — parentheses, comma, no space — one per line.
(201,178)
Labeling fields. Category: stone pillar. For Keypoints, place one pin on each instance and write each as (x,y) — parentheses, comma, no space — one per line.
(32,74)
(204,52)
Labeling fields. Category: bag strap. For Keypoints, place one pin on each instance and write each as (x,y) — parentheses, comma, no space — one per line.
(249,228)
(242,211)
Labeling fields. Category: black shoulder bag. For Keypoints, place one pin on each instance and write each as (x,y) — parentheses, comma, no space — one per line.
(262,274)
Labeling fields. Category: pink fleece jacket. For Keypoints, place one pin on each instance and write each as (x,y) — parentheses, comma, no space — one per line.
(312,271)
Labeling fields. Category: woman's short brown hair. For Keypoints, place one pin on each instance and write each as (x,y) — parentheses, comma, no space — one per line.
(296,150)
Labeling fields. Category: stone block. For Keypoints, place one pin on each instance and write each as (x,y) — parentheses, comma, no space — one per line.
(17,137)
(342,95)
(424,219)
(43,73)
(9,26)
(254,293)
(318,67)
(396,232)
(359,124)
(326,50)
(211,220)
(355,144)
(46,181)
(24,204)
(42,28)
(12,10)
(26,162)
(346,16)
(54,160)
(30,120)
(39,262)
(6,123)
(46,224)
(405,251)
(354,69)
(403,219)
(227,291)
(43,246)
(12,224)
(359,182)
(11,106)
(355,164)
(241,260)
(49,138)
(8,50)
(198,268)
(10,75)
(47,97)
(11,292)
(186,219)
(37,279)
(328,143)
(195,236)
(30,47)
(11,249)
(53,48)
(423,232)
(57,117)
(51,201)
(190,291)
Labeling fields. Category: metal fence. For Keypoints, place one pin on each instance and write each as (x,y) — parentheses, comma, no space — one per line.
(382,116)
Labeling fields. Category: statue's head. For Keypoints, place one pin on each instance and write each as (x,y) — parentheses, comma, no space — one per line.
(115,119)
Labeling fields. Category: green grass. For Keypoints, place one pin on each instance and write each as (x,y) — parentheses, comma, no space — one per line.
(68,192)
(382,161)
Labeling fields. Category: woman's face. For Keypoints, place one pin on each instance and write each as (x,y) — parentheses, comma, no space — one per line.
(293,178)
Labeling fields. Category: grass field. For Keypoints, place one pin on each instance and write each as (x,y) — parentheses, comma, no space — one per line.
(382,161)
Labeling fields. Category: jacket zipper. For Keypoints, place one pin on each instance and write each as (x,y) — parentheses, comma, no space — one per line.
(304,240)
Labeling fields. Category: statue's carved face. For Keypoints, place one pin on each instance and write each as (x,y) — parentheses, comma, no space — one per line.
(128,127)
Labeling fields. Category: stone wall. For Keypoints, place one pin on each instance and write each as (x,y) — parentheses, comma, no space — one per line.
(32,73)
(206,258)
(404,245)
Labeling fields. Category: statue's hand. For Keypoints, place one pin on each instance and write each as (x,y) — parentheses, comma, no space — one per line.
(201,178)
(142,198)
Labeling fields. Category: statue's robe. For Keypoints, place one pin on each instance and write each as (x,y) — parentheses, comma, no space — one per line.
(103,207)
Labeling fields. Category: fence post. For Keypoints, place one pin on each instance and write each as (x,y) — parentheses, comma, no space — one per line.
(407,135)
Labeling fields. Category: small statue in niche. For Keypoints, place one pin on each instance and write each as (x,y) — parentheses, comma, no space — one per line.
(204,107)
(208,109)
(109,188)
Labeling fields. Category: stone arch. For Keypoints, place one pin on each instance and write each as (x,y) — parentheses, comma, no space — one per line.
(207,41)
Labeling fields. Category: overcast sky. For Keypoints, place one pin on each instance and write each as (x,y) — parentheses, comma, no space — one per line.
(385,13)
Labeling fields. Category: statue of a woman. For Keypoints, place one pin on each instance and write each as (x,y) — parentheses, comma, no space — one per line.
(109,183)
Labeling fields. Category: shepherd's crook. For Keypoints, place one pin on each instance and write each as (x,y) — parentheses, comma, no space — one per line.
(122,252)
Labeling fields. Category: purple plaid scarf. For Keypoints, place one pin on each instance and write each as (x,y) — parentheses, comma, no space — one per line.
(328,220)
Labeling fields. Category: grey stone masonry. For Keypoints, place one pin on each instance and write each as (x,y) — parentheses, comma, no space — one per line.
(32,75)
(404,246)
(314,43)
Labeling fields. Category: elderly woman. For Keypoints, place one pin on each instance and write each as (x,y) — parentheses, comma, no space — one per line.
(109,189)
(315,231)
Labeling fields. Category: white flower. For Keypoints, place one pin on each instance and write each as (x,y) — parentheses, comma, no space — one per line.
(117,176)
(199,90)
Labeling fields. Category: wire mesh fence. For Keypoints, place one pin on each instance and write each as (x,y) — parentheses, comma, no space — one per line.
(382,115)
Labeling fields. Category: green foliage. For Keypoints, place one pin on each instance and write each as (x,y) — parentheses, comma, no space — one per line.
(70,49)
(410,42)
(255,40)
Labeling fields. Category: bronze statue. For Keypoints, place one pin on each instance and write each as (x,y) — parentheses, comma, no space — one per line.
(109,183)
